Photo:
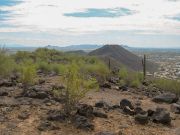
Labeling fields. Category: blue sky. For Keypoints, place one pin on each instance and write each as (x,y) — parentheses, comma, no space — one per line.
(140,23)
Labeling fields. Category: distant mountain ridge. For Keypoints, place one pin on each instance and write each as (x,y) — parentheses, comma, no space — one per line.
(120,56)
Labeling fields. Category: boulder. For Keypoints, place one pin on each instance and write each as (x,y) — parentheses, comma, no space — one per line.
(105,133)
(24,115)
(55,115)
(113,80)
(82,122)
(46,126)
(166,98)
(106,85)
(126,103)
(139,110)
(142,118)
(6,83)
(150,112)
(128,111)
(124,88)
(3,118)
(175,108)
(85,110)
(161,116)
(98,113)
(33,93)
(102,104)
(3,93)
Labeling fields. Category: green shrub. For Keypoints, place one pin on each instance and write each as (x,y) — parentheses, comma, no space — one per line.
(123,73)
(44,66)
(28,75)
(130,78)
(7,64)
(76,86)
(167,84)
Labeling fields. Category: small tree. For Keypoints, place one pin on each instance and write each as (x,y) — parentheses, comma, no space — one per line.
(76,86)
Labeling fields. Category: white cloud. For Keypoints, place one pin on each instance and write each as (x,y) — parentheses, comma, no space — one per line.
(47,16)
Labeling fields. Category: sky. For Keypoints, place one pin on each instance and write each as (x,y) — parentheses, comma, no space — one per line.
(136,23)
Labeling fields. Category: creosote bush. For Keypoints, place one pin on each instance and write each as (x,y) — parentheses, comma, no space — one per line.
(76,86)
(131,78)
(28,74)
(167,85)
(6,64)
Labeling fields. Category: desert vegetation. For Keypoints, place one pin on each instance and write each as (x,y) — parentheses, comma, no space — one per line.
(57,87)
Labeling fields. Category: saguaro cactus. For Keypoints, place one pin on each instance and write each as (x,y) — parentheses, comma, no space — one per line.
(109,64)
(144,66)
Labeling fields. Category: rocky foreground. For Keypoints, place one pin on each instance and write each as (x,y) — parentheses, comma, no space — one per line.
(112,110)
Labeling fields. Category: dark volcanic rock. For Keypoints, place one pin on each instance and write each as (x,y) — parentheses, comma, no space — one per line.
(141,118)
(128,111)
(102,104)
(54,115)
(175,108)
(150,112)
(3,93)
(161,116)
(85,110)
(82,122)
(98,113)
(106,85)
(6,83)
(105,133)
(33,93)
(8,101)
(124,88)
(167,98)
(3,118)
(113,80)
(46,125)
(24,115)
(126,103)
(139,110)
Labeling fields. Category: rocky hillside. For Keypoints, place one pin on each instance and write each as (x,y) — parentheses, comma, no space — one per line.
(112,110)
(120,56)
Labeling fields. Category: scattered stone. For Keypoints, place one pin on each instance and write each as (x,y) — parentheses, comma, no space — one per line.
(126,103)
(106,85)
(98,113)
(85,110)
(82,122)
(139,110)
(142,118)
(150,112)
(42,81)
(161,116)
(46,125)
(167,98)
(57,87)
(54,115)
(6,83)
(175,108)
(128,111)
(113,80)
(105,133)
(3,93)
(124,88)
(33,93)
(115,106)
(24,115)
(2,118)
(102,104)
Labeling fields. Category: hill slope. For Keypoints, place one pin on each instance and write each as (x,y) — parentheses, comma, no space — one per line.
(120,56)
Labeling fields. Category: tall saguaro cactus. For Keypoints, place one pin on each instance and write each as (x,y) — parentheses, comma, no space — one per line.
(109,64)
(144,66)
